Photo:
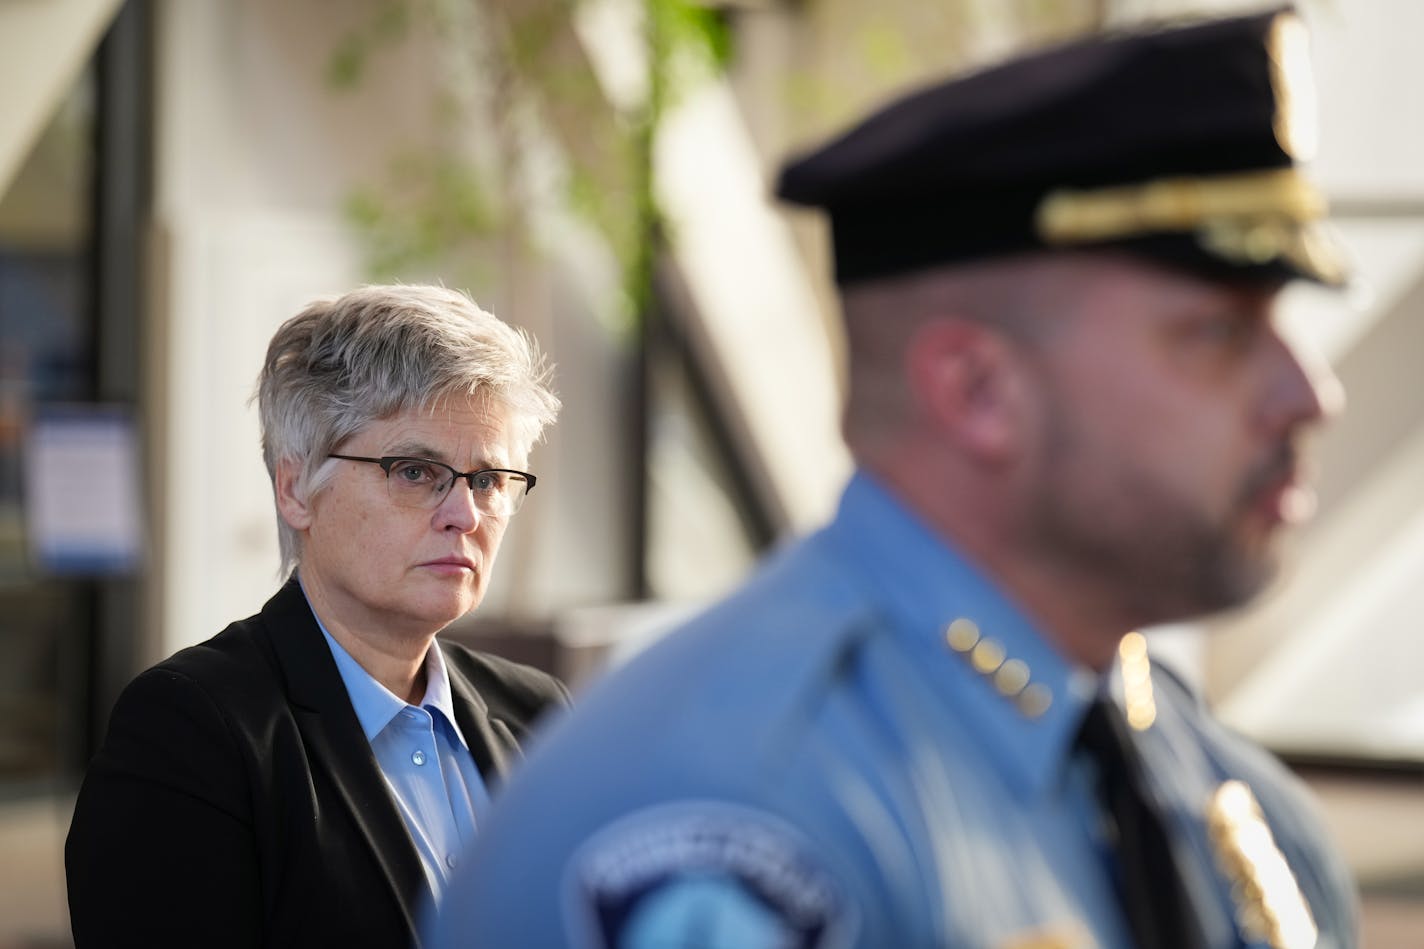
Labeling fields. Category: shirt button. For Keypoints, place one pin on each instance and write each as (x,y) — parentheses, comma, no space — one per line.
(450,860)
(418,757)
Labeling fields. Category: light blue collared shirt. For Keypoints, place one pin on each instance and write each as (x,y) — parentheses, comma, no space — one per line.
(424,758)
(814,761)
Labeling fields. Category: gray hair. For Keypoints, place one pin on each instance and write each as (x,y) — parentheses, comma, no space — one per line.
(376,351)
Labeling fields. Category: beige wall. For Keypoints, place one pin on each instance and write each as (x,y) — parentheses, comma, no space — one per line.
(256,153)
(43,46)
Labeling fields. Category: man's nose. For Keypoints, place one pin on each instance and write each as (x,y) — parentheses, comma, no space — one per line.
(1304,390)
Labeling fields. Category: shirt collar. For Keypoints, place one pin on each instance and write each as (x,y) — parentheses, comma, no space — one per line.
(438,697)
(377,705)
(925,585)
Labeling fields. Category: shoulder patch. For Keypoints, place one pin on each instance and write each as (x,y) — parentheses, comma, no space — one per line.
(704,874)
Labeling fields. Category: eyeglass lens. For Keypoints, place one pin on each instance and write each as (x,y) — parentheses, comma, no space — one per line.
(415,482)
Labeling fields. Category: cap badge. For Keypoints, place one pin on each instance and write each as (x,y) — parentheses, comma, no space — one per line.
(1293,82)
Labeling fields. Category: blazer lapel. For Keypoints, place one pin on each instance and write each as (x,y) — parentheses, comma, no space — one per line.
(337,744)
(492,744)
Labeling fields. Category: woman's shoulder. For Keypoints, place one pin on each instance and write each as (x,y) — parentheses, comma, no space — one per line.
(504,682)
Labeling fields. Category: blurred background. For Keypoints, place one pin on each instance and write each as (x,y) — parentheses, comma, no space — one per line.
(179,176)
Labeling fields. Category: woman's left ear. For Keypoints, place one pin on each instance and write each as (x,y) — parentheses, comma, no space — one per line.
(292,503)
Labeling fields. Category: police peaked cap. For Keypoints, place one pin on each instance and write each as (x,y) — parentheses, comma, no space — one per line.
(1180,144)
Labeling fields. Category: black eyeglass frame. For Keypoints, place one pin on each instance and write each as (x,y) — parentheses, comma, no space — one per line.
(387,462)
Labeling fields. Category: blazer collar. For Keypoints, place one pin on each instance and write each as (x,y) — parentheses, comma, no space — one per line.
(337,743)
(491,742)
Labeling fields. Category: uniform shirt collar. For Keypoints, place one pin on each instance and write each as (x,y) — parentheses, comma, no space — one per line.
(377,705)
(924,584)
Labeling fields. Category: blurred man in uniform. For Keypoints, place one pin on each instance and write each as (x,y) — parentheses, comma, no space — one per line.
(933,723)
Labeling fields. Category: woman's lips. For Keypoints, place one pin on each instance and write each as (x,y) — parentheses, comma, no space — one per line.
(450,566)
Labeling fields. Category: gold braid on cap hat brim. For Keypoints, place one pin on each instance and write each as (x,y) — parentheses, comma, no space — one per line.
(1250,218)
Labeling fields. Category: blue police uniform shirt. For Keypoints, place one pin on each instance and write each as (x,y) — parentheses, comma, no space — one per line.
(424,758)
(870,746)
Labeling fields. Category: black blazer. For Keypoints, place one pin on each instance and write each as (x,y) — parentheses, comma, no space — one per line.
(236,802)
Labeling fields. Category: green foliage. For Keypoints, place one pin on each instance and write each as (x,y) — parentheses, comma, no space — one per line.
(432,208)
(694,28)
(347,65)
(884,49)
(528,45)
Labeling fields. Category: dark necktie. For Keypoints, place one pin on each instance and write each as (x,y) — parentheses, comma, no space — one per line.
(1148,884)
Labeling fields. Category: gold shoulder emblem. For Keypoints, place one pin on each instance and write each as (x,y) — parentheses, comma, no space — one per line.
(1269,904)
(1065,937)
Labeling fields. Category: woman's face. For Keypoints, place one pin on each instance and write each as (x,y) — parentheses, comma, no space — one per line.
(377,568)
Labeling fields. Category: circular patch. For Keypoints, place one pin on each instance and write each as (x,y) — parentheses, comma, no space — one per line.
(706,875)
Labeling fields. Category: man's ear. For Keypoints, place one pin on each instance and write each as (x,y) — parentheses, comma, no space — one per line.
(294,506)
(966,382)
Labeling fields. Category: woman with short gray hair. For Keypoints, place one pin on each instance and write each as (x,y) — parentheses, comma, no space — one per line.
(311,774)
